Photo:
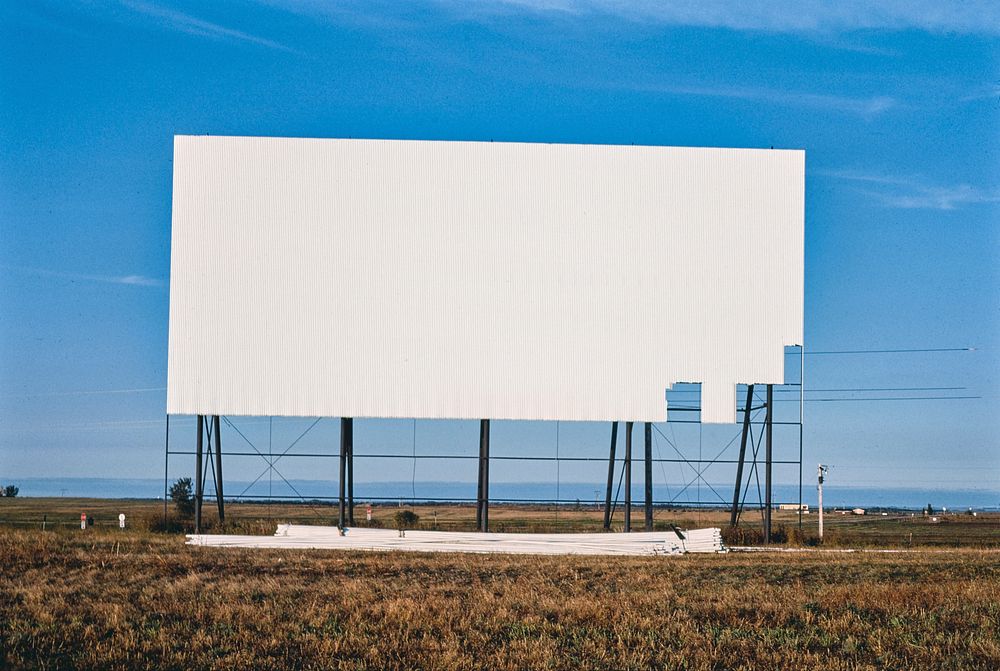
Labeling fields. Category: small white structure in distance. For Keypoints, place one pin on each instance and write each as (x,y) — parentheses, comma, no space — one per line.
(472,280)
(804,507)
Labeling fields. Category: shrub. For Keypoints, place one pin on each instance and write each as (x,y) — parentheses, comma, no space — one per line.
(754,535)
(170,525)
(742,536)
(180,494)
(10,491)
(801,537)
(406,519)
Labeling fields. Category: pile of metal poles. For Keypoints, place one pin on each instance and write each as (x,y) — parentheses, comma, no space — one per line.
(650,543)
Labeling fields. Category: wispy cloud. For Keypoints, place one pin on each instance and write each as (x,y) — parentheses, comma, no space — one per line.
(87,392)
(138,280)
(777,16)
(132,280)
(865,106)
(939,197)
(913,193)
(991,92)
(191,25)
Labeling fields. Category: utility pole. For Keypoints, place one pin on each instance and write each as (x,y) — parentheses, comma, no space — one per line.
(820,472)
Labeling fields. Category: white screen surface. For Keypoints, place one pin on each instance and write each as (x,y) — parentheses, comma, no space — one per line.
(377,278)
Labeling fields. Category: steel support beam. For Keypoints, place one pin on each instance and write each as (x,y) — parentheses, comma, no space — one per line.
(483,496)
(198,474)
(166,469)
(734,515)
(350,470)
(219,497)
(611,477)
(648,437)
(767,463)
(628,477)
(345,439)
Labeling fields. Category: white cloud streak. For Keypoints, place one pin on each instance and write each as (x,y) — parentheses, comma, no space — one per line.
(191,25)
(137,280)
(776,16)
(867,107)
(991,92)
(87,392)
(130,280)
(910,193)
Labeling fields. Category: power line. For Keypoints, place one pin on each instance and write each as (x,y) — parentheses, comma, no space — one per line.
(892,398)
(841,389)
(895,351)
(685,408)
(882,389)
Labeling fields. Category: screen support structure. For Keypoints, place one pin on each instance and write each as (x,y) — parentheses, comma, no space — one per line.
(747,408)
(611,477)
(766,436)
(768,463)
(208,456)
(483,494)
(208,442)
(648,486)
(346,484)
(767,504)
(628,477)
(648,440)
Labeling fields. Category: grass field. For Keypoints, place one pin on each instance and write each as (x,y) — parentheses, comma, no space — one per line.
(106,599)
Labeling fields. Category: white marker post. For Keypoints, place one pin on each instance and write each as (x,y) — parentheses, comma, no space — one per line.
(819,487)
(83,521)
(368,512)
(121,520)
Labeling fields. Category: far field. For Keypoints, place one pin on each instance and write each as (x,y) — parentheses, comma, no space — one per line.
(893,530)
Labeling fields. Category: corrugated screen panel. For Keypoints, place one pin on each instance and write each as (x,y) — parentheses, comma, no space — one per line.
(378,278)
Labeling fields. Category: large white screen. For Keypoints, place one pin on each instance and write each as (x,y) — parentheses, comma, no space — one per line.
(378,278)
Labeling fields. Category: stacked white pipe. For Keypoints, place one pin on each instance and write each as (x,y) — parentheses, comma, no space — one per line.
(298,536)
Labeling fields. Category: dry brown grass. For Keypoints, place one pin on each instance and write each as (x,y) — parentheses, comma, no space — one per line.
(105,599)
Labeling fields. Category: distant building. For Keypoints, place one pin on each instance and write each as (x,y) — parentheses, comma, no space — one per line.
(794,506)
(858,511)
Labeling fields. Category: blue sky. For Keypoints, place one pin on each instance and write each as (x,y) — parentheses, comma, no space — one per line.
(897,105)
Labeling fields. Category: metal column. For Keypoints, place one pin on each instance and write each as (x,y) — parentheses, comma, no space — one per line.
(350,470)
(767,463)
(611,476)
(649,476)
(345,441)
(628,477)
(166,470)
(483,495)
(217,432)
(734,515)
(198,476)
